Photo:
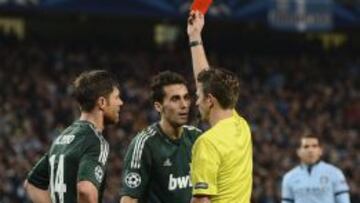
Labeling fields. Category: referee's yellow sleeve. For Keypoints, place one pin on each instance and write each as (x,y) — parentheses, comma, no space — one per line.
(204,167)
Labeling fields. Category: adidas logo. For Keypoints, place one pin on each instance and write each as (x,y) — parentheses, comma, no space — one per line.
(167,162)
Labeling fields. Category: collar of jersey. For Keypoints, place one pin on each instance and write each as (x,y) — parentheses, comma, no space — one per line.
(161,132)
(305,166)
(90,124)
(224,120)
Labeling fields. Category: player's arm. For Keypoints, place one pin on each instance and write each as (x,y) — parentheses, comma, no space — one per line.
(36,194)
(200,199)
(36,185)
(87,192)
(91,170)
(194,28)
(287,195)
(341,188)
(128,199)
(136,171)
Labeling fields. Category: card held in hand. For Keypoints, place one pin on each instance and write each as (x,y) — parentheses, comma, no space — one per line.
(201,5)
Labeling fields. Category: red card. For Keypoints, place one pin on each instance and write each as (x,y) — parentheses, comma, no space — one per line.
(201,5)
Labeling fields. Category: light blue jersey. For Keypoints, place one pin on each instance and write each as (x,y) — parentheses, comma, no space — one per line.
(319,183)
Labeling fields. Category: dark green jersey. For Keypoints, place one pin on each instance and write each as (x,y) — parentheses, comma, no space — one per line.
(79,153)
(156,169)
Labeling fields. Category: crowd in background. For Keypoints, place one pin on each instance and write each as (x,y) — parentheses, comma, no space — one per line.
(281,96)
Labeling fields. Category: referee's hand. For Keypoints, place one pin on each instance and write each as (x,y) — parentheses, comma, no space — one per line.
(195,25)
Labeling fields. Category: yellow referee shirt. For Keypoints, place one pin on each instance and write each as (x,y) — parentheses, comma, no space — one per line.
(222,162)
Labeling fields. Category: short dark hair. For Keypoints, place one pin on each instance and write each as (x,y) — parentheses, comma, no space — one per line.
(309,136)
(91,85)
(224,85)
(161,80)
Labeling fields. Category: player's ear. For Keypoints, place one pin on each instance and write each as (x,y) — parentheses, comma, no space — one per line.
(101,102)
(321,150)
(298,153)
(158,106)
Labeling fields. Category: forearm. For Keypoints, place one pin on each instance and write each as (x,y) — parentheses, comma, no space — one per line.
(86,192)
(198,55)
(86,198)
(194,29)
(127,199)
(37,195)
(203,199)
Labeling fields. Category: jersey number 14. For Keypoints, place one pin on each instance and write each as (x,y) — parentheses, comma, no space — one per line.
(57,185)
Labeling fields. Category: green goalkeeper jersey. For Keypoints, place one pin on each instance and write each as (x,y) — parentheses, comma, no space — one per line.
(156,168)
(79,154)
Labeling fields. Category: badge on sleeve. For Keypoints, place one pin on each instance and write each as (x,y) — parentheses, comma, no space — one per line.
(133,180)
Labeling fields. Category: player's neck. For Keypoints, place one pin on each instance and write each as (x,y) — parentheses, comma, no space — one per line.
(218,114)
(95,118)
(172,132)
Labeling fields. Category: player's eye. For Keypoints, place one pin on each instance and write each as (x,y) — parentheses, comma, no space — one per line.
(175,98)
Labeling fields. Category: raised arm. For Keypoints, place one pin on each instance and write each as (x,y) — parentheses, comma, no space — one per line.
(194,28)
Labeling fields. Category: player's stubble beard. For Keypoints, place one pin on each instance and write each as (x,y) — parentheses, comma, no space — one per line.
(111,118)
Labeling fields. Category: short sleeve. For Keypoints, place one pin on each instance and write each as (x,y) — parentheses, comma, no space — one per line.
(340,182)
(287,195)
(341,188)
(204,167)
(92,164)
(39,175)
(136,171)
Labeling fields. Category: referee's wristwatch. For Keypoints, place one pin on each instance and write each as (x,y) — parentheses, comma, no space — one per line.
(195,43)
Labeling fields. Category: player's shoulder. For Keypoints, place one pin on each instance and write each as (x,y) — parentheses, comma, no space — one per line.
(292,173)
(191,132)
(329,168)
(145,135)
(191,128)
(78,131)
(81,128)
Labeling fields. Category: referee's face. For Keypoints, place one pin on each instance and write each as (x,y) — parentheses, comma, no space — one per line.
(309,151)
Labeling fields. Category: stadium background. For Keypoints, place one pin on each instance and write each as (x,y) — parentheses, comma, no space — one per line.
(297,75)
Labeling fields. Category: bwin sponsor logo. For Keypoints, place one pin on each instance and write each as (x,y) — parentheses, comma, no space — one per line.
(179,182)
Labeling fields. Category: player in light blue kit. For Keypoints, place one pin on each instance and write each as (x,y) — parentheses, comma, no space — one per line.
(314,181)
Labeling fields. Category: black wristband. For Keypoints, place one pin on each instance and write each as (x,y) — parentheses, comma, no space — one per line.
(195,43)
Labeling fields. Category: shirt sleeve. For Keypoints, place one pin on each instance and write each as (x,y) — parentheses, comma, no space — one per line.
(341,188)
(39,175)
(204,167)
(287,195)
(136,171)
(92,164)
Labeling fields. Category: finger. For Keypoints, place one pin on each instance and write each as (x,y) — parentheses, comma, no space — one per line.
(200,15)
(190,20)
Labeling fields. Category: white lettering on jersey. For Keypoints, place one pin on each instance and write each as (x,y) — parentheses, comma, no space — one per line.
(179,182)
(65,139)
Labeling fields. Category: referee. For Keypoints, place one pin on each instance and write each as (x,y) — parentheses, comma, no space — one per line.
(314,181)
(221,168)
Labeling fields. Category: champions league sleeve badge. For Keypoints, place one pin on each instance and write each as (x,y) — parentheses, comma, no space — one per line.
(99,174)
(132,180)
